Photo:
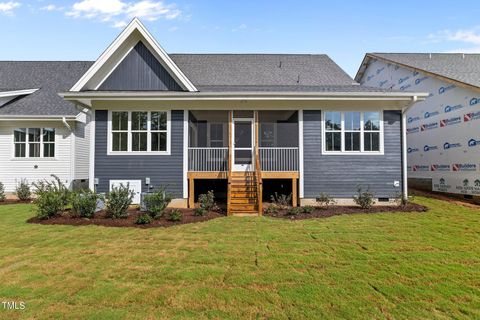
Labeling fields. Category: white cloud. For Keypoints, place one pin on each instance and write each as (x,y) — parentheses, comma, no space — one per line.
(243,26)
(51,7)
(7,7)
(118,12)
(471,37)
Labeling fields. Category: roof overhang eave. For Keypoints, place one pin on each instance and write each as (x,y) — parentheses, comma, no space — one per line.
(37,118)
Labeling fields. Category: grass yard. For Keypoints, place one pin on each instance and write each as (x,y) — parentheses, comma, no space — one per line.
(392,265)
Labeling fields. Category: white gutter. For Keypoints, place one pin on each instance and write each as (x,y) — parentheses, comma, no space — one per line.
(35,118)
(404,148)
(64,120)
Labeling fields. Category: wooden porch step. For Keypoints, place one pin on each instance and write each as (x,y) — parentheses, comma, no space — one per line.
(244,194)
(235,207)
(235,201)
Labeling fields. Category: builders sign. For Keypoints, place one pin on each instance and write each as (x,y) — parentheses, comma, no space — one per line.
(443,132)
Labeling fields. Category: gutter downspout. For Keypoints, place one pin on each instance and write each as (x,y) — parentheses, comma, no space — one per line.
(72,151)
(65,123)
(404,149)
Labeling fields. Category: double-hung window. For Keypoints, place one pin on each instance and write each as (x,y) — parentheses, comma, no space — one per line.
(352,132)
(34,142)
(139,132)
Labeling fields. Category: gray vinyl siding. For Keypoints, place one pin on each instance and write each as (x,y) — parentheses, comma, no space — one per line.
(339,175)
(140,70)
(166,170)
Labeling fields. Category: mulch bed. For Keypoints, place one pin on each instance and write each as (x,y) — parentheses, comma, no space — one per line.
(14,201)
(100,219)
(339,210)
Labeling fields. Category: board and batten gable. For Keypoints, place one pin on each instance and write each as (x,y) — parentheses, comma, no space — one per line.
(140,70)
(340,175)
(163,170)
(13,170)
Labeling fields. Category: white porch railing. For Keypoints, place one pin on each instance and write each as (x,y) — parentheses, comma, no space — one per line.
(216,159)
(208,159)
(278,159)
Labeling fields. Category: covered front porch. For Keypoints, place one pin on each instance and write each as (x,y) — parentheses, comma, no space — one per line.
(244,148)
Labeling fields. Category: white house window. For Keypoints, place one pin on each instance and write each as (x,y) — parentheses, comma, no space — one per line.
(352,132)
(34,142)
(139,131)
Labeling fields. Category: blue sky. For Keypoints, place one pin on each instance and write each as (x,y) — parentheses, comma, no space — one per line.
(345,30)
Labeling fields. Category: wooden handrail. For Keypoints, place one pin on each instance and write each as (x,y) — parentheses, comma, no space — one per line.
(230,156)
(258,169)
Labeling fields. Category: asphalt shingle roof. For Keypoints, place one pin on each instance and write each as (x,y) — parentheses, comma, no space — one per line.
(456,66)
(50,77)
(261,69)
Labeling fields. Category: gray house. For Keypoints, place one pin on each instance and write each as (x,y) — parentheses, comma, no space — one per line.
(243,125)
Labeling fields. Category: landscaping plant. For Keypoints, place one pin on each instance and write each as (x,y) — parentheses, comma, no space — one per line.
(308,209)
(51,197)
(207,201)
(2,193)
(175,215)
(23,191)
(273,208)
(144,219)
(364,198)
(281,200)
(200,212)
(324,200)
(294,211)
(118,201)
(84,203)
(157,202)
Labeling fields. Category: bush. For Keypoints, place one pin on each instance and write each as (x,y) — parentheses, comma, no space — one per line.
(2,193)
(324,200)
(200,212)
(207,201)
(51,197)
(175,215)
(144,219)
(84,203)
(364,198)
(281,200)
(118,201)
(308,209)
(271,209)
(23,191)
(157,202)
(294,211)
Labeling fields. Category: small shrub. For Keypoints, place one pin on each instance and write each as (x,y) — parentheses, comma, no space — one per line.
(51,197)
(144,219)
(84,203)
(281,200)
(157,202)
(200,212)
(271,209)
(294,211)
(118,201)
(207,201)
(364,198)
(23,191)
(308,209)
(2,193)
(324,200)
(175,215)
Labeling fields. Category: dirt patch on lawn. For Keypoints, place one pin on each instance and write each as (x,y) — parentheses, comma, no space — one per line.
(338,210)
(100,219)
(452,198)
(14,201)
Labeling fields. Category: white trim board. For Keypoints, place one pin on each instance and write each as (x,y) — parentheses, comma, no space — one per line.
(135,31)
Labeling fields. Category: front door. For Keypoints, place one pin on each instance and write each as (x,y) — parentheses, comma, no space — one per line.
(242,145)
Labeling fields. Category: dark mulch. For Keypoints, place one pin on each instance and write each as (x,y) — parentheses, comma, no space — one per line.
(338,210)
(14,201)
(100,219)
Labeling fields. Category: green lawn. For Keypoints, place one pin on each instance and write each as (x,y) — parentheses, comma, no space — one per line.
(415,265)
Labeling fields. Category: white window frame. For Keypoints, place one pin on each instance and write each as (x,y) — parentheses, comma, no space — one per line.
(362,131)
(129,134)
(41,143)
